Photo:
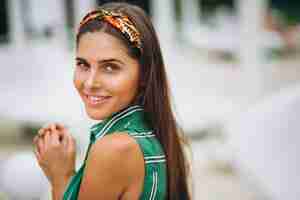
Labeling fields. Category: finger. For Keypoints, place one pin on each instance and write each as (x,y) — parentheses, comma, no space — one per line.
(60,126)
(62,131)
(46,127)
(41,132)
(40,146)
(38,157)
(47,139)
(65,141)
(37,154)
(71,145)
(52,127)
(54,138)
(34,141)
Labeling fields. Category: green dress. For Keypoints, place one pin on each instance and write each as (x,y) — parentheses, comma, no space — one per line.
(132,121)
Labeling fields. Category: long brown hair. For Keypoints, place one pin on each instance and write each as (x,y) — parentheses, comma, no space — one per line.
(154,93)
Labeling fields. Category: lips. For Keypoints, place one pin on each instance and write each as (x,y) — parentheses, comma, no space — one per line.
(94,100)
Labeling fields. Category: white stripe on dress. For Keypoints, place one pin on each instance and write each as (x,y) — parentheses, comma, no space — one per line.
(155,161)
(141,133)
(154,157)
(143,136)
(155,191)
(113,121)
(154,185)
(124,111)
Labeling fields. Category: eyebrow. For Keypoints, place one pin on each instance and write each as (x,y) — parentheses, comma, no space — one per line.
(101,61)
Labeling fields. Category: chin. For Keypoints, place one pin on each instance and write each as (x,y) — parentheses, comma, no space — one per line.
(95,117)
(97,114)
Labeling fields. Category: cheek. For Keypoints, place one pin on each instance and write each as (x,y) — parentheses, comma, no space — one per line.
(125,85)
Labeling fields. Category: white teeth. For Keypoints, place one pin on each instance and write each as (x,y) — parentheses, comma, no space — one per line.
(95,99)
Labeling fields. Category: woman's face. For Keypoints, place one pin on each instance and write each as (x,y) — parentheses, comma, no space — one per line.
(106,77)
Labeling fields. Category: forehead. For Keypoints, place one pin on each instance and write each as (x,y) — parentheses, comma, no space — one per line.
(99,45)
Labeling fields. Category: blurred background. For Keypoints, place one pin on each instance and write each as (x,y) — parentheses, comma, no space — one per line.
(235,78)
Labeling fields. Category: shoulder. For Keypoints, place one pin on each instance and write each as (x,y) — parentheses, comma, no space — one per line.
(113,157)
(119,143)
(115,150)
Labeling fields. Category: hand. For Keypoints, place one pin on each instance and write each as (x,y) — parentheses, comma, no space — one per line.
(56,153)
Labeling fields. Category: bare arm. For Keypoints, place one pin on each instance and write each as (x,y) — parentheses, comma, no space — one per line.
(55,152)
(114,163)
(58,189)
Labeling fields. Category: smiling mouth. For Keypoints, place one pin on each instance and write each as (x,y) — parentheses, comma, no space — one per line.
(96,100)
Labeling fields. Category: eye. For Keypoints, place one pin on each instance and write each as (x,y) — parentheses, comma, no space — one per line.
(82,66)
(111,68)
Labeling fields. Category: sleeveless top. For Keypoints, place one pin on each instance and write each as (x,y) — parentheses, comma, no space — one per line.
(131,120)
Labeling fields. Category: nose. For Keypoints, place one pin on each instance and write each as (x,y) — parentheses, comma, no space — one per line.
(93,80)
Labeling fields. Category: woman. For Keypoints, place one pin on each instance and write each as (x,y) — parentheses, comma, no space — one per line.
(136,151)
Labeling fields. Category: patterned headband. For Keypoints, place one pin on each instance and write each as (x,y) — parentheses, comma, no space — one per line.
(118,21)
